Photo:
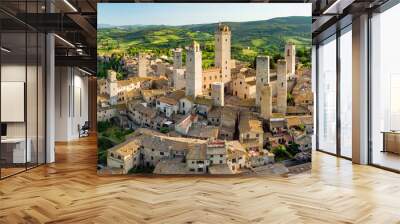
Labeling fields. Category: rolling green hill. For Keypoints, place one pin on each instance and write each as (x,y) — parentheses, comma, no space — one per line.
(248,38)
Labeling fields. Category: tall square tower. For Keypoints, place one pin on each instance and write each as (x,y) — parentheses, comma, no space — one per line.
(177,58)
(142,64)
(223,51)
(281,86)
(193,70)
(262,75)
(290,57)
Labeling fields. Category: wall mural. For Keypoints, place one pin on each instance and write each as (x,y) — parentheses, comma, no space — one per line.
(211,89)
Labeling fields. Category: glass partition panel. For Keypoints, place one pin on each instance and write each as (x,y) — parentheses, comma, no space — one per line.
(346,92)
(41,99)
(327,95)
(22,88)
(385,89)
(31,98)
(14,153)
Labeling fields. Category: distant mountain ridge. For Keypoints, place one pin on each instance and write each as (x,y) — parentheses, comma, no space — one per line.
(104,26)
(249,38)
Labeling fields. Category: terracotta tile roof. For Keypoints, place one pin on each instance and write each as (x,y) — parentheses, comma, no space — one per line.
(197,152)
(212,70)
(203,132)
(249,123)
(126,148)
(147,111)
(251,83)
(168,100)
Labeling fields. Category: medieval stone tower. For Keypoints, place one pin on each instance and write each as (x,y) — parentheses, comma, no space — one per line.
(142,64)
(193,70)
(262,75)
(217,93)
(266,101)
(290,57)
(177,58)
(112,86)
(223,51)
(178,77)
(281,86)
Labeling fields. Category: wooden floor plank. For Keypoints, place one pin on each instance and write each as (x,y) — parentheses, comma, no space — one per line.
(69,191)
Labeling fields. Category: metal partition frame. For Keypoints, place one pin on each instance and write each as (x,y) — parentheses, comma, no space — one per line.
(44,118)
(339,32)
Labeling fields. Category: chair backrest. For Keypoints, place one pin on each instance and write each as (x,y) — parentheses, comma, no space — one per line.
(85,126)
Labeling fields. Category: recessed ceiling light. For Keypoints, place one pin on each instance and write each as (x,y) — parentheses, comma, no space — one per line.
(64,40)
(70,5)
(86,72)
(5,50)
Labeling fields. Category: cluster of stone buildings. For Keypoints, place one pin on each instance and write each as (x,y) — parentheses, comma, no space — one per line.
(179,155)
(221,120)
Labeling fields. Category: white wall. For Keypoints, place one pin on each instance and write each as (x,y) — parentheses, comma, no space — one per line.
(33,126)
(12,73)
(71,103)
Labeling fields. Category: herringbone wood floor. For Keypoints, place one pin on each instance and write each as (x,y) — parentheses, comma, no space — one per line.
(69,191)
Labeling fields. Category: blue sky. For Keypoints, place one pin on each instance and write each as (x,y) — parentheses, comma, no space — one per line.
(191,13)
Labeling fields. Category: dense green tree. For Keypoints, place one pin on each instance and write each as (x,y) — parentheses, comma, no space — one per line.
(293,148)
(281,153)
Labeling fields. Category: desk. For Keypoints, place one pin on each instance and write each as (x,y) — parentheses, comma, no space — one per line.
(13,150)
(391,141)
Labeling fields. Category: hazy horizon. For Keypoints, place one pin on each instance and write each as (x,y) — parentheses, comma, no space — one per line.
(147,14)
(197,23)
